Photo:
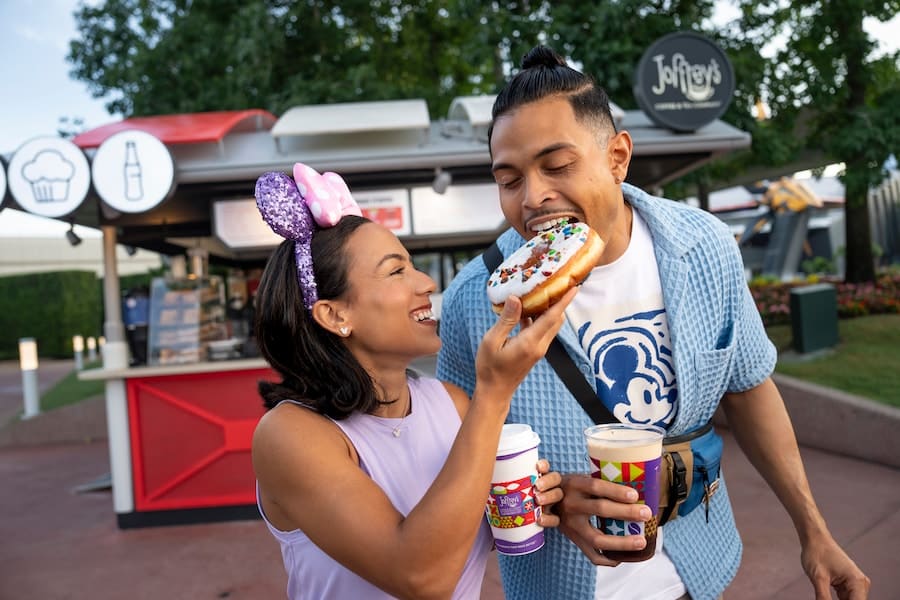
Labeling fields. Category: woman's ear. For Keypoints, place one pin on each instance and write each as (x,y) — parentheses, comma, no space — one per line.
(331,316)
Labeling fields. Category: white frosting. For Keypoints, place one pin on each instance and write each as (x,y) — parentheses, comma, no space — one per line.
(536,261)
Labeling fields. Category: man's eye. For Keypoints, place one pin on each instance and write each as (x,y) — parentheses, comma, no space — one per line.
(509,183)
(398,271)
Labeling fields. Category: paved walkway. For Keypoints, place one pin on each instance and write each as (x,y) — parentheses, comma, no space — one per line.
(12,402)
(58,544)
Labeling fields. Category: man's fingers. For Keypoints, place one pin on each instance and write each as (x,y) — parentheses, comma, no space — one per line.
(548,520)
(584,544)
(822,588)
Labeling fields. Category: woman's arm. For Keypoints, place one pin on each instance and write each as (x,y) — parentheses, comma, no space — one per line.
(309,474)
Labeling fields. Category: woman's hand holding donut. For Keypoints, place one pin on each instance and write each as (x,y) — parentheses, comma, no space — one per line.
(503,361)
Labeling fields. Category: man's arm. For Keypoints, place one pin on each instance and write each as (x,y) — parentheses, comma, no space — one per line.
(760,423)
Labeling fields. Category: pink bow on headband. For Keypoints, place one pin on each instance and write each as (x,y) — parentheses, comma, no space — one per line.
(326,195)
(295,208)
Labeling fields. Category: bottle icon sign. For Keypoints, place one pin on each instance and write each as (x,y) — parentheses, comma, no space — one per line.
(134,188)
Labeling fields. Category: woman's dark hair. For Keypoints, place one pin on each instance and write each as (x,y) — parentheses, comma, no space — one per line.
(317,367)
(544,73)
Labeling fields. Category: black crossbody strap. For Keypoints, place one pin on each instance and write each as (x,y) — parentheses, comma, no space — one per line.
(561,362)
(565,367)
(492,258)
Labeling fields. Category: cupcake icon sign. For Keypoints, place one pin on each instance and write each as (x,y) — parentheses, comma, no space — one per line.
(49,174)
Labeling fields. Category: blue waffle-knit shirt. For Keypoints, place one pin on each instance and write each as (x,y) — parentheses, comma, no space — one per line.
(719,346)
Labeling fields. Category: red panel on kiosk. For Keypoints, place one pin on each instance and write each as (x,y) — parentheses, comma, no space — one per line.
(190,438)
(191,128)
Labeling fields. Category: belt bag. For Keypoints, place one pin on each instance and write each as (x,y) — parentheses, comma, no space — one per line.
(690,470)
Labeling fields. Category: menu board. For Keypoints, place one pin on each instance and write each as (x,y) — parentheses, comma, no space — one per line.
(185,316)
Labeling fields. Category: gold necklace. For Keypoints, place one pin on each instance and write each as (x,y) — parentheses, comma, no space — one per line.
(396,431)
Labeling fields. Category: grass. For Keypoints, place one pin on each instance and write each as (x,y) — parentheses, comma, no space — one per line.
(866,361)
(70,390)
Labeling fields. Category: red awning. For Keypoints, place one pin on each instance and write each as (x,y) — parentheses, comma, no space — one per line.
(189,128)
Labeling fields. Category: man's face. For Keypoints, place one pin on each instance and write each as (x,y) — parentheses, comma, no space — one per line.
(549,166)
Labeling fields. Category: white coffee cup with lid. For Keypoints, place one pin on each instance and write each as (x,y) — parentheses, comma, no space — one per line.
(511,509)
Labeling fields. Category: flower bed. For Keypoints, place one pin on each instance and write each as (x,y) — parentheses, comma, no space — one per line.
(854,300)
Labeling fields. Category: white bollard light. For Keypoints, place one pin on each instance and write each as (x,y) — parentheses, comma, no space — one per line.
(28,362)
(78,347)
(92,349)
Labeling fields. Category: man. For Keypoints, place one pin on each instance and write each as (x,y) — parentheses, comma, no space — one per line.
(664,328)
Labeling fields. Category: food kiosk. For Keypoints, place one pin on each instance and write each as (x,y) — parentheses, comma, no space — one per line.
(180,425)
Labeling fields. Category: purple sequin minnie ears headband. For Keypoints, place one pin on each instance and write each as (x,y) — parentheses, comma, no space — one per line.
(295,208)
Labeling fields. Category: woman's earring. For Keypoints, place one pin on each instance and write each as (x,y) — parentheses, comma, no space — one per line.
(345,331)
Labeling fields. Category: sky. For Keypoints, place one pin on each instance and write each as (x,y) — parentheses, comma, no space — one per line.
(37,90)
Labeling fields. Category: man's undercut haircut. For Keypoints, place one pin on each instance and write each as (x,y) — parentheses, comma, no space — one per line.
(544,73)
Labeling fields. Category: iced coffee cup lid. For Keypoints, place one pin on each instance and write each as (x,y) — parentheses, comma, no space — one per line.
(517,437)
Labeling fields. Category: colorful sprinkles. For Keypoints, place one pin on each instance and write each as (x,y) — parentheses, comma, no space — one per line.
(543,255)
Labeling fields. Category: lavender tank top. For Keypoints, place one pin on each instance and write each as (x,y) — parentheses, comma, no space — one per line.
(404,466)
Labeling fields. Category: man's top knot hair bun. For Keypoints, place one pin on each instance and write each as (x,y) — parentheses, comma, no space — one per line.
(545,74)
(542,56)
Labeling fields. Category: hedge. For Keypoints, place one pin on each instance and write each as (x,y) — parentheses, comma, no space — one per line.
(50,307)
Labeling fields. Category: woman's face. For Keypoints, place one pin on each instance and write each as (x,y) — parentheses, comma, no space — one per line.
(387,305)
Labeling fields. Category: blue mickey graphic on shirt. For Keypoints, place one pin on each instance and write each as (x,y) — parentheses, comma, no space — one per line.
(634,371)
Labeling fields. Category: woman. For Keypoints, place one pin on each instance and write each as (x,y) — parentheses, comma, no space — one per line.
(373,480)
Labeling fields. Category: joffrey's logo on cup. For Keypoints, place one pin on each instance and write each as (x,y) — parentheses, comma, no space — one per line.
(512,498)
(509,505)
(684,81)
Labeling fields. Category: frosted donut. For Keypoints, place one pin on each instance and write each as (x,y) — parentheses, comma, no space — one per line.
(542,270)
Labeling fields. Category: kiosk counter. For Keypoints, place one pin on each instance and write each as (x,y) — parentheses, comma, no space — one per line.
(180,440)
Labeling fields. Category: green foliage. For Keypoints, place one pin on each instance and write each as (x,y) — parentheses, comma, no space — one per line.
(609,38)
(828,88)
(50,307)
(818,264)
(828,93)
(171,56)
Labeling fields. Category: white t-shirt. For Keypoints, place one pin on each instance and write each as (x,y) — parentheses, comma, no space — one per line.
(621,323)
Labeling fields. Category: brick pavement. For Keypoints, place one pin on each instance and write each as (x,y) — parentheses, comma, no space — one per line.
(59,544)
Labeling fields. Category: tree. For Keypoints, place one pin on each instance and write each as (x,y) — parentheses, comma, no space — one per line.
(827,88)
(69,127)
(830,97)
(828,94)
(171,56)
(610,38)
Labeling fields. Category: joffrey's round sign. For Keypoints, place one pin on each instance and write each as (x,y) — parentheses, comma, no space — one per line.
(684,81)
